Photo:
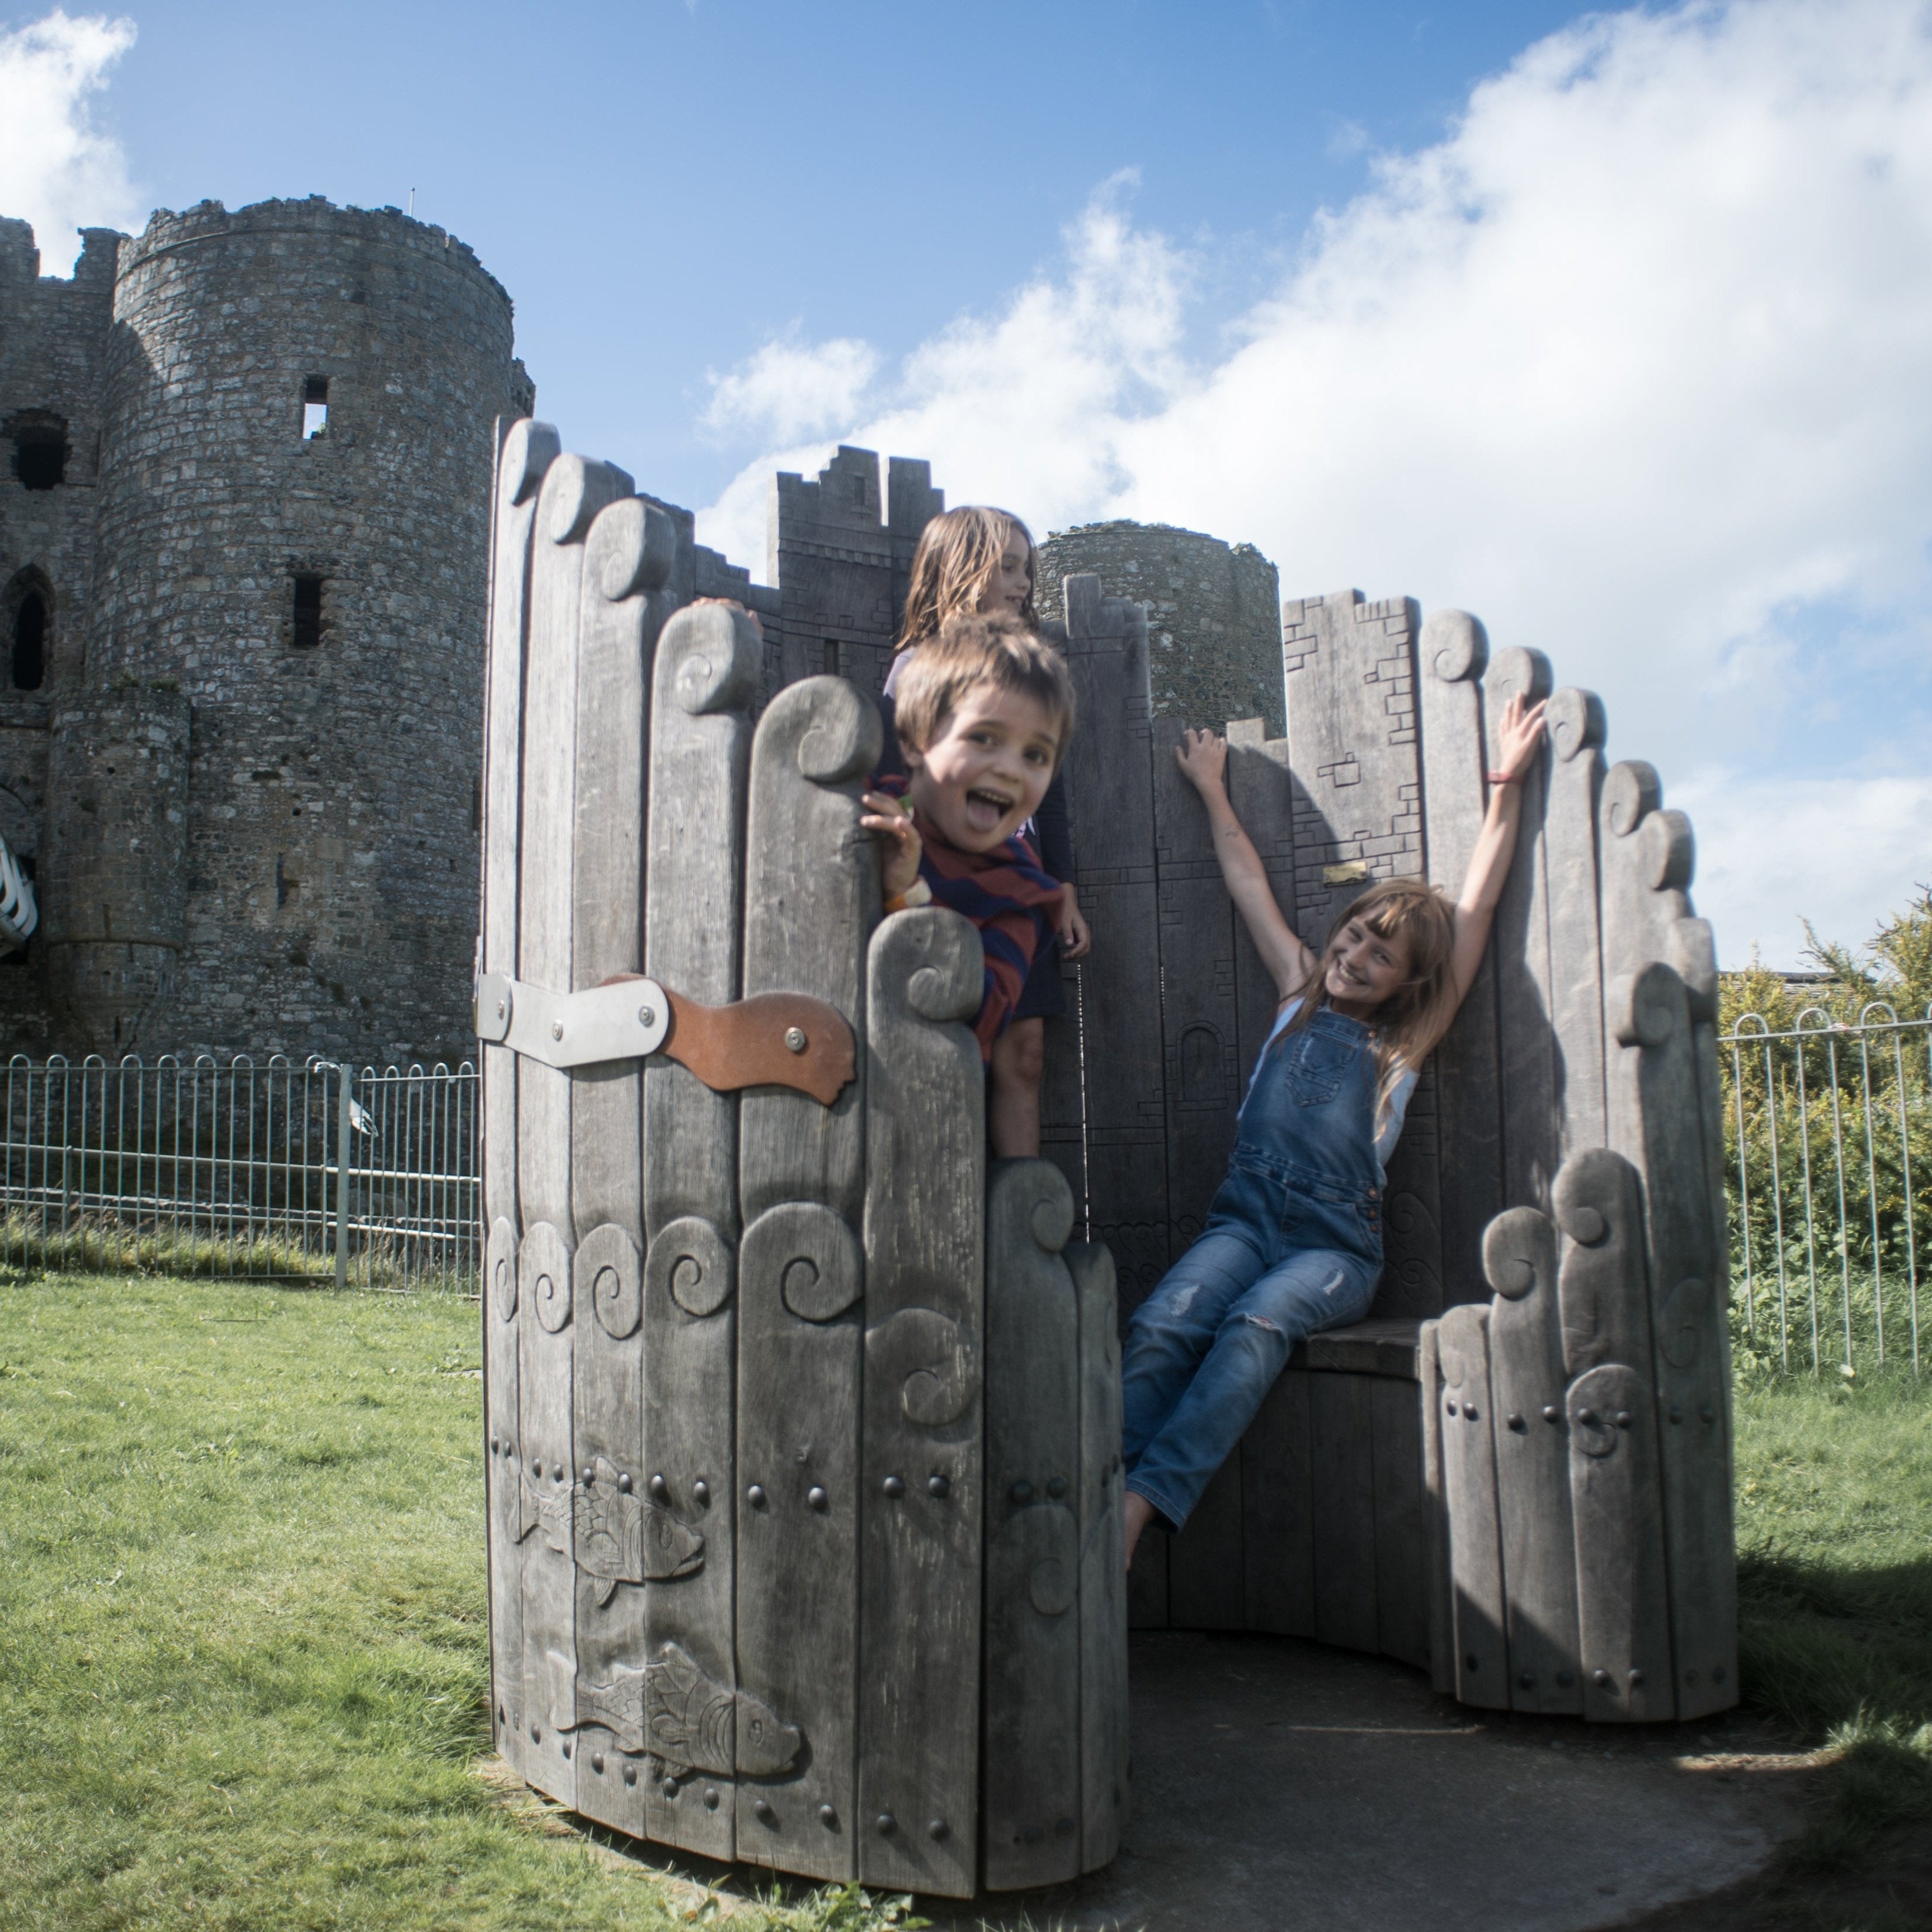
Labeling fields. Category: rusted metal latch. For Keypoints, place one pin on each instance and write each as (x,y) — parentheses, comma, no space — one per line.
(771,1039)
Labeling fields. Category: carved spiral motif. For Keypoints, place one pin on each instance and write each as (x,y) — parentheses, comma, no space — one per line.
(1052,1217)
(836,726)
(529,451)
(1575,721)
(574,491)
(810,1253)
(1667,850)
(926,1353)
(543,1274)
(630,548)
(1518,670)
(1645,1008)
(690,1262)
(1597,1399)
(1454,645)
(1520,1252)
(934,956)
(1630,789)
(1594,1194)
(607,1257)
(708,660)
(501,1264)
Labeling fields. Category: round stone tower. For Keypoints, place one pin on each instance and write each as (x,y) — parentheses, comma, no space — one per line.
(296,450)
(1214,614)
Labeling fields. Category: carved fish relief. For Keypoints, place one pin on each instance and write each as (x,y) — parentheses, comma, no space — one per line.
(612,1535)
(688,1721)
(621,1538)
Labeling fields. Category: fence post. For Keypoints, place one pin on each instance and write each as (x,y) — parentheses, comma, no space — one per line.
(342,1179)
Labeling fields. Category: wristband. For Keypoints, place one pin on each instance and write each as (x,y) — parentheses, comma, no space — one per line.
(1505,778)
(918,893)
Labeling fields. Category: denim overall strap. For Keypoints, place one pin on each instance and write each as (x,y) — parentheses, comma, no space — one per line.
(1310,1115)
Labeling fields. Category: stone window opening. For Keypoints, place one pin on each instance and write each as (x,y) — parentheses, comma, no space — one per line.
(40,453)
(26,630)
(305,612)
(315,407)
(831,657)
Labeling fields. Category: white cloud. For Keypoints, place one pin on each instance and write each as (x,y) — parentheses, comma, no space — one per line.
(1637,362)
(1773,852)
(56,170)
(785,392)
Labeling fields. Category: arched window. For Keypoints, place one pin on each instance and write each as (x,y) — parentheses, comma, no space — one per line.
(27,630)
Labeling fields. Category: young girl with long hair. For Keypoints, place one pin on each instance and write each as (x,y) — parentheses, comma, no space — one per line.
(979,561)
(1294,1240)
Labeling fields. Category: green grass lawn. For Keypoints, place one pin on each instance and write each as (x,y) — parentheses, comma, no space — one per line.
(243,1654)
(243,1642)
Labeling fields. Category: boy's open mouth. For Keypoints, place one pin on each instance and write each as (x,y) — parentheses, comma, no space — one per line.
(985,808)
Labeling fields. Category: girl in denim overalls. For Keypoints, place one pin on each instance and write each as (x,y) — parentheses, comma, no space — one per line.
(1293,1240)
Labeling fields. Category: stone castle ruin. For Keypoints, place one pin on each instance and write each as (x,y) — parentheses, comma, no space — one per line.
(245,459)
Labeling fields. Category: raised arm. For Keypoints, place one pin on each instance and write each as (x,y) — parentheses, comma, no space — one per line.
(1519,734)
(1203,759)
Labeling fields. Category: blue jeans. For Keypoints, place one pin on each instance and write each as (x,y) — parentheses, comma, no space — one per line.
(1286,1253)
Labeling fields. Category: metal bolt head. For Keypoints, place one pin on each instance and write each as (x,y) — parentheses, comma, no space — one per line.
(701,1489)
(710,1798)
(1588,1415)
(1469,1410)
(588,1476)
(936,1485)
(630,1774)
(1034,1833)
(536,1468)
(647,1016)
(493,1445)
(1056,1486)
(660,1489)
(597,1762)
(1636,1677)
(1450,1405)
(1624,1418)
(536,1735)
(894,1486)
(828,1817)
(1600,1677)
(817,1497)
(795,1040)
(1551,1413)
(755,1495)
(566,1747)
(1677,1415)
(887,1823)
(766,1814)
(1515,1423)
(1022,1491)
(936,1828)
(1707,1414)
(556,1029)
(502,1007)
(1470,1662)
(624,1484)
(1528,1680)
(1564,1678)
(670,1787)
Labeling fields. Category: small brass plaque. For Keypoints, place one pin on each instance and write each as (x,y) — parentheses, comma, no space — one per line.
(1353,872)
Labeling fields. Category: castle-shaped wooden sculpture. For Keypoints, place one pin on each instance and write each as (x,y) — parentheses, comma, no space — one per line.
(804,1460)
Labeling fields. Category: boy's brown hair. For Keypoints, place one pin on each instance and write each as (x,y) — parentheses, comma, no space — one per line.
(972,650)
(956,557)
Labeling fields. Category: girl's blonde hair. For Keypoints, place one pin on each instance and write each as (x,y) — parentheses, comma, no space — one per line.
(958,552)
(1422,921)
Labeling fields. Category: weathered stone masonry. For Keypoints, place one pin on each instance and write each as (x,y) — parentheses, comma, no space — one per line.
(314,886)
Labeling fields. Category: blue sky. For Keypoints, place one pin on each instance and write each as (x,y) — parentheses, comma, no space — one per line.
(1616,328)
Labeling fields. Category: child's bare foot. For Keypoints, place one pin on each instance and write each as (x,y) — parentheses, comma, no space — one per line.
(1139,1514)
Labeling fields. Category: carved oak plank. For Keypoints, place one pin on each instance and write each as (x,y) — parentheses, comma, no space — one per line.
(1532,1447)
(1341,1424)
(1110,793)
(1469,1481)
(1454,654)
(705,674)
(919,1578)
(1277,1467)
(1436,1512)
(525,452)
(1611,1414)
(1402,1534)
(1576,782)
(811,898)
(573,492)
(1103,1594)
(1031,1761)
